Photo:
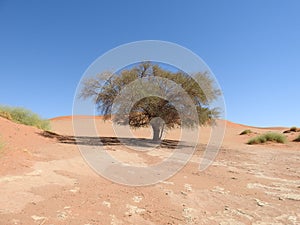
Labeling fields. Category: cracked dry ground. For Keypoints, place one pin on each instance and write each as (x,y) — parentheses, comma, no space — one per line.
(50,183)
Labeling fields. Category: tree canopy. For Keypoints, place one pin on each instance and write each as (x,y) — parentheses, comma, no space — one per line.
(148,95)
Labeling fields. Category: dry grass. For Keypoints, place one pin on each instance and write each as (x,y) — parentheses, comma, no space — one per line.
(294,129)
(246,132)
(5,114)
(267,137)
(24,116)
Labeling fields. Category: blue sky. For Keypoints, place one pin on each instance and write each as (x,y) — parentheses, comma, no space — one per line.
(252,47)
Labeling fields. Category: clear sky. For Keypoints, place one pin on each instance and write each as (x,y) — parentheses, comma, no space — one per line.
(252,47)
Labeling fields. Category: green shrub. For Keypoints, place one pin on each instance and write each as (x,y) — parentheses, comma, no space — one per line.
(294,129)
(246,132)
(297,139)
(5,115)
(24,116)
(274,137)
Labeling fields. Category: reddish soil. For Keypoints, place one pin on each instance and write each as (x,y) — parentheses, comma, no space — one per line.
(45,180)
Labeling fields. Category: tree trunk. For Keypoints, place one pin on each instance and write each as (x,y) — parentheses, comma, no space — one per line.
(156,133)
(161,131)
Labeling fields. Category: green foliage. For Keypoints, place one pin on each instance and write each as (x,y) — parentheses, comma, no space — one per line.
(24,116)
(246,132)
(294,129)
(270,136)
(183,94)
(297,139)
(5,115)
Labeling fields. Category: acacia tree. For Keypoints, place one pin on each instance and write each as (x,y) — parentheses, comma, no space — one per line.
(152,109)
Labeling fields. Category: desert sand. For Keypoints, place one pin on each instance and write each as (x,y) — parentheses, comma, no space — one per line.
(45,180)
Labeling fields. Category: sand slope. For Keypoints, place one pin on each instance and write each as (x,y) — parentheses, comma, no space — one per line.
(44,180)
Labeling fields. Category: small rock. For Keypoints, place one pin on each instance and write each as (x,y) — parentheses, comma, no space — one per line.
(107,204)
(134,210)
(260,203)
(137,199)
(75,190)
(168,192)
(37,218)
(183,193)
(188,187)
(292,196)
(62,215)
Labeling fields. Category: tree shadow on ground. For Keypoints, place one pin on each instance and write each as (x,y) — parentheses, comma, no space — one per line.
(113,141)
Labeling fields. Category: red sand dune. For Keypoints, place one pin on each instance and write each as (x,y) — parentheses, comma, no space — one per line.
(75,116)
(44,180)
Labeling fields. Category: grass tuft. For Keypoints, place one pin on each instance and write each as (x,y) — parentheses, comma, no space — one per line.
(273,137)
(5,115)
(294,129)
(246,132)
(24,116)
